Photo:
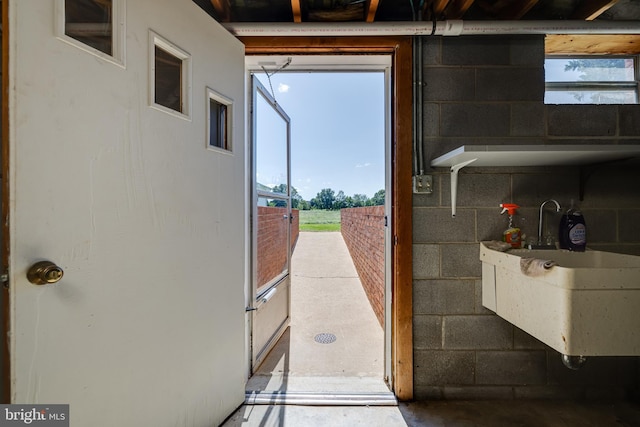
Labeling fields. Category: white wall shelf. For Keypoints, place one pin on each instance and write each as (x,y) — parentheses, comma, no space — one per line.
(529,155)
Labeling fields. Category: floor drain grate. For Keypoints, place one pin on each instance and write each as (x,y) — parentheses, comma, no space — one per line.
(325,338)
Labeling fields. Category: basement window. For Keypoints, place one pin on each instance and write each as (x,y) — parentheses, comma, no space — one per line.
(591,80)
(218,121)
(96,26)
(170,77)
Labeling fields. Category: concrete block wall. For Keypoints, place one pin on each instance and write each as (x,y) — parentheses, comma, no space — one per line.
(272,240)
(490,90)
(363,232)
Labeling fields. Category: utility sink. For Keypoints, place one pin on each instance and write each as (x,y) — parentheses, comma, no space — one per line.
(587,304)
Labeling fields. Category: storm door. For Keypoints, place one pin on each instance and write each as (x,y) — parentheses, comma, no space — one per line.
(271,222)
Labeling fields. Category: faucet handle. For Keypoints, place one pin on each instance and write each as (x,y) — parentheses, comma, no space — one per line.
(549,239)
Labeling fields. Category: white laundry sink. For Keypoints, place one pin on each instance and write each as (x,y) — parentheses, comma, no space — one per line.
(587,304)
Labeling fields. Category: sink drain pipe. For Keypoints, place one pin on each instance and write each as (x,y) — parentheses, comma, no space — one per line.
(573,362)
(424,28)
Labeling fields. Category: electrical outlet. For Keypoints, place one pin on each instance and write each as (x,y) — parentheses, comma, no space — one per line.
(423,184)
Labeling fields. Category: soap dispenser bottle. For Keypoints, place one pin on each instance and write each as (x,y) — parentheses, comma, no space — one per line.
(572,231)
(512,234)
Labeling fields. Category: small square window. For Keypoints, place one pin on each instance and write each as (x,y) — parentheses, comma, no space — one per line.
(96,26)
(170,76)
(591,80)
(218,121)
(90,22)
(168,79)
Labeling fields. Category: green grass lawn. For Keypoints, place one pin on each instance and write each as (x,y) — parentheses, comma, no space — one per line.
(319,220)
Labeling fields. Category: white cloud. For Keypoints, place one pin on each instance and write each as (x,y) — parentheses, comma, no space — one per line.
(283,88)
(363,165)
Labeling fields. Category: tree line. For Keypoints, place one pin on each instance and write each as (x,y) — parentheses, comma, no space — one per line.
(328,199)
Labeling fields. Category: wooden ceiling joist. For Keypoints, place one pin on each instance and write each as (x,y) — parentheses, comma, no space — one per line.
(591,9)
(594,44)
(457,8)
(439,6)
(435,6)
(516,9)
(297,11)
(370,10)
(223,9)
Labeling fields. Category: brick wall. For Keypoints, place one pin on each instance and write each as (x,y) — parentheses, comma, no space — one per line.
(363,232)
(272,239)
(489,90)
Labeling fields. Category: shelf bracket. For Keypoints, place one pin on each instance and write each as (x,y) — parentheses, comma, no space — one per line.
(587,170)
(454,184)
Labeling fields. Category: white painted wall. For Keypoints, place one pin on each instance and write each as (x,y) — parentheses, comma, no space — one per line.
(147,326)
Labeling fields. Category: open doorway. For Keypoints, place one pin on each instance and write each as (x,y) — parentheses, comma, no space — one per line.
(400,316)
(339,338)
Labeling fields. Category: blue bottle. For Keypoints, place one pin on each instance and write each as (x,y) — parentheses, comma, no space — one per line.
(572,232)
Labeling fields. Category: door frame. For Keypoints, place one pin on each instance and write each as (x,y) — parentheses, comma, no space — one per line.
(400,49)
(5,368)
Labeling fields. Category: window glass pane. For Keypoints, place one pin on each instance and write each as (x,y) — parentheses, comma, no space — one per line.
(90,22)
(589,70)
(590,96)
(271,148)
(168,80)
(273,244)
(217,124)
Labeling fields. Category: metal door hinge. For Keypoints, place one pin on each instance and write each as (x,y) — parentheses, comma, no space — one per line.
(4,279)
(250,309)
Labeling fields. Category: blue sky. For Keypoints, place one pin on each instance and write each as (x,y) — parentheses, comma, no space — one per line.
(337,130)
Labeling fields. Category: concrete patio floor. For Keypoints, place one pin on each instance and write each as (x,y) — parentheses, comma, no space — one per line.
(326,298)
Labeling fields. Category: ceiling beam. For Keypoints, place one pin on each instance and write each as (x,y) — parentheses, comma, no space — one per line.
(223,9)
(567,44)
(457,8)
(370,10)
(439,6)
(516,9)
(297,11)
(435,6)
(591,9)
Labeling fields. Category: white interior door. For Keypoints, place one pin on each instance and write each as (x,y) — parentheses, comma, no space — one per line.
(272,217)
(143,215)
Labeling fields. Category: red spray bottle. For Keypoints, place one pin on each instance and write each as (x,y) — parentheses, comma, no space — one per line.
(512,234)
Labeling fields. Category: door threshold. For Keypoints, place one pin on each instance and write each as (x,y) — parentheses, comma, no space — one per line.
(320,398)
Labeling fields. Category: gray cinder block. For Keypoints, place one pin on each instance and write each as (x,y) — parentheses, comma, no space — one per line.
(427,332)
(461,260)
(435,367)
(477,332)
(509,84)
(437,225)
(475,120)
(444,297)
(511,367)
(582,120)
(426,261)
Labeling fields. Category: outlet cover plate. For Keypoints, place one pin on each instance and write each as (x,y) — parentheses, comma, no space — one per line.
(423,184)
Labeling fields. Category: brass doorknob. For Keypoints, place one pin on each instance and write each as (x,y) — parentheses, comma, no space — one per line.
(44,273)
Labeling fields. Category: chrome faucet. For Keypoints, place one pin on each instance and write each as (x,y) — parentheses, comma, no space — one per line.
(540,219)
